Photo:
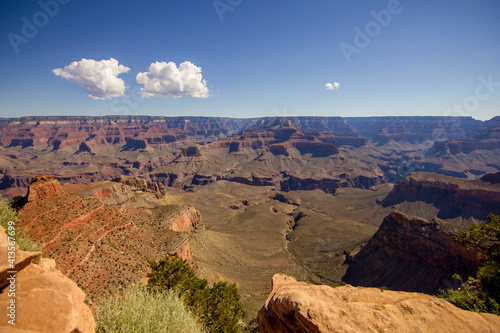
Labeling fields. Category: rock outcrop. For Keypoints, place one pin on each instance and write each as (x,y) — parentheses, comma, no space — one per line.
(43,187)
(45,300)
(410,254)
(492,178)
(300,307)
(453,197)
(186,219)
(22,258)
(143,185)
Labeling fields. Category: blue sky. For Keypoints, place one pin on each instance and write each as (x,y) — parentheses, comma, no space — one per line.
(264,58)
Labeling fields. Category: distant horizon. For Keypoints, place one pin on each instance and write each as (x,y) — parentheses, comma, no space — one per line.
(226,117)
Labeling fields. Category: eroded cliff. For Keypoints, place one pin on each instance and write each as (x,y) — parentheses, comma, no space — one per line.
(411,254)
(451,197)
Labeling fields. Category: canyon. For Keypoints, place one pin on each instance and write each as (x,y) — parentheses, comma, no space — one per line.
(291,153)
(371,201)
(462,201)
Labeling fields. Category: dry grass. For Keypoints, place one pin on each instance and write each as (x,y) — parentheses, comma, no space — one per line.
(140,310)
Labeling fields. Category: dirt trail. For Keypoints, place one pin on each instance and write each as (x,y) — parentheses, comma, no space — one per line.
(73,223)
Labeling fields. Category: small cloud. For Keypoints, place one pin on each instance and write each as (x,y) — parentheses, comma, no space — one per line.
(167,80)
(330,86)
(98,78)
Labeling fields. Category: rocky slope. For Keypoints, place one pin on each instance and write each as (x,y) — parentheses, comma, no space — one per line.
(410,254)
(450,197)
(299,307)
(45,300)
(105,246)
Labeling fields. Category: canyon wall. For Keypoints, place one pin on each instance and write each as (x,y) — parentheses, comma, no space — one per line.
(411,254)
(453,197)
(317,152)
(413,129)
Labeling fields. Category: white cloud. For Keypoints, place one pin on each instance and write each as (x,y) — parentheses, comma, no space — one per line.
(98,78)
(167,80)
(330,86)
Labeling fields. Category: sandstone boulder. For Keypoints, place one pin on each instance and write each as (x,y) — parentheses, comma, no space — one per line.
(45,299)
(300,307)
(21,260)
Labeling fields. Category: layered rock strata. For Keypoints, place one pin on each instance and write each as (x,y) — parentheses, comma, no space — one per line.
(410,254)
(453,197)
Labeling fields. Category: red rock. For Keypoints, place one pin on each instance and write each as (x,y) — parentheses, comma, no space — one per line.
(300,307)
(45,299)
(22,258)
(410,254)
(43,187)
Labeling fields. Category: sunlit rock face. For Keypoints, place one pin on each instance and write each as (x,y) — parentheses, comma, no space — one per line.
(300,307)
(45,299)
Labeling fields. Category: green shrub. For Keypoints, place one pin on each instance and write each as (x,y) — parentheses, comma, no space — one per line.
(482,293)
(218,307)
(143,311)
(7,213)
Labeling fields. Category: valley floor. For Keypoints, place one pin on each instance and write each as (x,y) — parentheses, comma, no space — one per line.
(250,235)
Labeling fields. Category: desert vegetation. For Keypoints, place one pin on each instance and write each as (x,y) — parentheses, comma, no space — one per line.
(8,213)
(148,311)
(174,299)
(218,307)
(482,292)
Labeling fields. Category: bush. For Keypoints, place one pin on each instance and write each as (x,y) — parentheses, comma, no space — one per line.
(7,213)
(140,310)
(218,307)
(482,293)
